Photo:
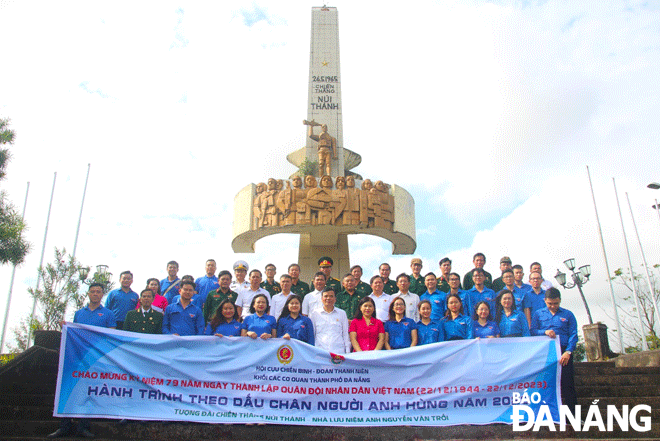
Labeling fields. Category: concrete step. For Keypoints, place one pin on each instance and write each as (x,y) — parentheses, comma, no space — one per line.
(618,391)
(618,380)
(111,430)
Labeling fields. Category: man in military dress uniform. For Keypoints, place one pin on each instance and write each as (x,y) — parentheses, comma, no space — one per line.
(144,320)
(325,266)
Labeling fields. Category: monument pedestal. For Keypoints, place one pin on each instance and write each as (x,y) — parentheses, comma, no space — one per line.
(315,244)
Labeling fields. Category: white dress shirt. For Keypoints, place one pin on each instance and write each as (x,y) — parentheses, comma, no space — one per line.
(312,302)
(331,330)
(412,300)
(382,306)
(277,303)
(244,299)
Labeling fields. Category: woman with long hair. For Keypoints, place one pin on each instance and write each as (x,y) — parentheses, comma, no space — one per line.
(292,324)
(224,321)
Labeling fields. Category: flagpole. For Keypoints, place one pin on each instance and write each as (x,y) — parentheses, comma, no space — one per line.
(607,268)
(11,284)
(82,204)
(41,261)
(646,267)
(645,345)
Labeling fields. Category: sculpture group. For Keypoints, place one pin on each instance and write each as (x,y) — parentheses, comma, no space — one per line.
(322,203)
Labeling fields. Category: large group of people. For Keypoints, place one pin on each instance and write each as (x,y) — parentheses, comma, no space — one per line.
(344,315)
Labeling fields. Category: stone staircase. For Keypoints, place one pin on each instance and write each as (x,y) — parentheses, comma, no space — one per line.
(27,390)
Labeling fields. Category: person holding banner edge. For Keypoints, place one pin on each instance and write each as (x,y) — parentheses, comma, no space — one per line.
(96,315)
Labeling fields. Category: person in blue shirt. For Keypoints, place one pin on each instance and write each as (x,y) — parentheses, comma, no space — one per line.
(483,325)
(123,299)
(555,321)
(455,324)
(511,321)
(535,295)
(204,285)
(428,331)
(400,331)
(259,323)
(435,296)
(183,317)
(169,286)
(479,292)
(292,324)
(224,321)
(96,315)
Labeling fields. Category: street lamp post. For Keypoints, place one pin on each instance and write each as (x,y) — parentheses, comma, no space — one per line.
(579,279)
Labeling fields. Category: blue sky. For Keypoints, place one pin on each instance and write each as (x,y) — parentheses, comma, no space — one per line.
(486,112)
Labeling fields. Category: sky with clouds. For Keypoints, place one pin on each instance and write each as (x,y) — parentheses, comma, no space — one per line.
(486,112)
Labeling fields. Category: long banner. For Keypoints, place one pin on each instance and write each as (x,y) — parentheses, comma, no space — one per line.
(115,374)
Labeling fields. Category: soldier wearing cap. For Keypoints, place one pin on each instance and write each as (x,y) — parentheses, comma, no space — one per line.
(325,266)
(240,271)
(270,284)
(416,279)
(298,287)
(505,264)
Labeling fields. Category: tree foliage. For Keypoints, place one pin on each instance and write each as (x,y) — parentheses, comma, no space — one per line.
(630,321)
(13,246)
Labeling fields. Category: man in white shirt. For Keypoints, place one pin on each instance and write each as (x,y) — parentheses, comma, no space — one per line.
(536,268)
(381,299)
(411,299)
(313,300)
(245,296)
(280,299)
(330,325)
(240,271)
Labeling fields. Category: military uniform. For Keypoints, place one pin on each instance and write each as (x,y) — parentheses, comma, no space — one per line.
(363,289)
(273,288)
(334,284)
(214,299)
(390,287)
(468,283)
(151,322)
(300,289)
(348,303)
(417,285)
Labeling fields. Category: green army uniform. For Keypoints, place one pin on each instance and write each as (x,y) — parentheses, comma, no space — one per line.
(273,288)
(334,284)
(148,323)
(468,283)
(213,300)
(498,285)
(417,285)
(348,303)
(300,289)
(443,284)
(363,289)
(390,287)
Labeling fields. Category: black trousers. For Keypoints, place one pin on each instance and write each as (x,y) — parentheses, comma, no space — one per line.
(568,394)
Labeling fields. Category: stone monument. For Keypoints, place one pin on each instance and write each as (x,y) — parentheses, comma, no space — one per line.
(329,202)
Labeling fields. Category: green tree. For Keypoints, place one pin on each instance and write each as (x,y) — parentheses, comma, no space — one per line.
(630,322)
(13,246)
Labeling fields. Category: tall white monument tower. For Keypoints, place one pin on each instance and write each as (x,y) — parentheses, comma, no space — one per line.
(324,201)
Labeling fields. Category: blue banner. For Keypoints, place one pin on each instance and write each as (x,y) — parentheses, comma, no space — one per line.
(115,374)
